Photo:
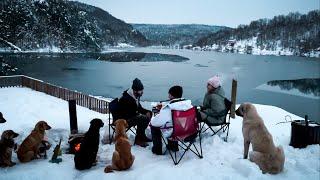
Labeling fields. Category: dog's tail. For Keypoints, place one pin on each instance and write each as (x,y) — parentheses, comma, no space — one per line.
(108,169)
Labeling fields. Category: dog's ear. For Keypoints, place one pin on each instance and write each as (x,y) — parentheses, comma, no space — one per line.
(126,124)
(37,127)
(116,122)
(5,135)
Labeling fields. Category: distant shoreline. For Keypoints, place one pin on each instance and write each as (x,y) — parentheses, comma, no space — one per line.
(224,49)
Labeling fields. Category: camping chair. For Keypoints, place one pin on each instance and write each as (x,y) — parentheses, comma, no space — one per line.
(224,126)
(113,109)
(227,114)
(185,132)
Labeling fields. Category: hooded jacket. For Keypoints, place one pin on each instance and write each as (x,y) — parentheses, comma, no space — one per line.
(214,107)
(164,118)
(129,106)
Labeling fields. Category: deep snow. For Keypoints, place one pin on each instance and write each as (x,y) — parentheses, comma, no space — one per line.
(23,107)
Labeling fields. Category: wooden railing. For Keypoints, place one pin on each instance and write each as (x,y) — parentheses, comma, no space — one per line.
(83,100)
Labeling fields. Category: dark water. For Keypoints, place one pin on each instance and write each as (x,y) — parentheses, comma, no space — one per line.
(260,78)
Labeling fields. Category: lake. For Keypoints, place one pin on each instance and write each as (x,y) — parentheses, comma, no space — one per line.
(288,82)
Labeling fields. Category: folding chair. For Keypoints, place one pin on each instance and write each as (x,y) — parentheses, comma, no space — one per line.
(113,110)
(185,132)
(224,126)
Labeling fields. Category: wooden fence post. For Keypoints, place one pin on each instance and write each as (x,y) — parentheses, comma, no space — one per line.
(233,98)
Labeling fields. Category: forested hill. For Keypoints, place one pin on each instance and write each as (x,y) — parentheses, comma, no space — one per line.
(299,33)
(68,25)
(175,34)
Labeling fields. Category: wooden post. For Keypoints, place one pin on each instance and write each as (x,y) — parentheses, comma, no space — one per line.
(233,98)
(73,116)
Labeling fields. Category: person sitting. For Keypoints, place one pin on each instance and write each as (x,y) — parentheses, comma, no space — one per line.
(162,122)
(131,110)
(213,103)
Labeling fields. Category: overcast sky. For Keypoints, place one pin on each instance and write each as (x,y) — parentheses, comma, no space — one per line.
(213,12)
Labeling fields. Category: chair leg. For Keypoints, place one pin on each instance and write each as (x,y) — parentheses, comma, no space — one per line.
(200,144)
(227,128)
(110,137)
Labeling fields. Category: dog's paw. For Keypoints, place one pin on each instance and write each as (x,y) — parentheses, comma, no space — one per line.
(12,164)
(108,169)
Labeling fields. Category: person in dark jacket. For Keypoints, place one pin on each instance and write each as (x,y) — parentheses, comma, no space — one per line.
(131,110)
(213,104)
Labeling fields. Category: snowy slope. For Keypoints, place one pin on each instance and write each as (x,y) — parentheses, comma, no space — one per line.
(23,107)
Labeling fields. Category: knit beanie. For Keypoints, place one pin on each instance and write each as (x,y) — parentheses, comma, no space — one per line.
(214,81)
(137,85)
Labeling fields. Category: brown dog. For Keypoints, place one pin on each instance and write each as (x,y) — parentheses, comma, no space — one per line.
(29,149)
(269,158)
(6,146)
(122,158)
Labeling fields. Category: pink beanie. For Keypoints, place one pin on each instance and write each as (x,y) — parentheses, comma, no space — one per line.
(214,81)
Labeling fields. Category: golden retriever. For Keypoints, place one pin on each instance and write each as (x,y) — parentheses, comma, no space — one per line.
(265,154)
(29,149)
(122,158)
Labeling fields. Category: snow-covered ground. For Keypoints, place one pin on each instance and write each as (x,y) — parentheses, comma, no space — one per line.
(23,107)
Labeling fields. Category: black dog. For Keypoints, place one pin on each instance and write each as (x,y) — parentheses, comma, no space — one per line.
(2,120)
(6,146)
(85,158)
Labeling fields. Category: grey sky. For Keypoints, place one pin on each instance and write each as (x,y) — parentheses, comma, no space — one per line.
(214,12)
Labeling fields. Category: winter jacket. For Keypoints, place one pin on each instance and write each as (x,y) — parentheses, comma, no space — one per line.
(164,118)
(129,106)
(214,107)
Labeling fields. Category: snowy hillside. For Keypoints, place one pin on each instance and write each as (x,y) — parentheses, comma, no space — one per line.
(293,34)
(23,107)
(59,26)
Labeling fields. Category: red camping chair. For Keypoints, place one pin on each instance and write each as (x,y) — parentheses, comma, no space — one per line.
(185,132)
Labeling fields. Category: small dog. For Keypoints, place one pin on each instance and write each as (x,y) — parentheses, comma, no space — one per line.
(85,158)
(122,158)
(269,158)
(2,120)
(6,146)
(29,149)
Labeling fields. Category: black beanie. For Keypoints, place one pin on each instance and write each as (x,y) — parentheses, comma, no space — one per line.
(137,85)
(176,91)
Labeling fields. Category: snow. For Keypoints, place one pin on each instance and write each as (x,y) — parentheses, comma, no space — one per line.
(124,45)
(241,45)
(23,107)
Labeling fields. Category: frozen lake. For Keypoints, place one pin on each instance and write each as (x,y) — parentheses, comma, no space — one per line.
(259,77)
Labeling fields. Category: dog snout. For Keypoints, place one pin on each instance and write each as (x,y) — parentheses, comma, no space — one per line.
(48,127)
(2,120)
(238,113)
(15,135)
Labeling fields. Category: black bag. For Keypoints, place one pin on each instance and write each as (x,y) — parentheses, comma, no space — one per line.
(114,108)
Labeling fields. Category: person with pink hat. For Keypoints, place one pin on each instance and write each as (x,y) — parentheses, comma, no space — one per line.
(213,103)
